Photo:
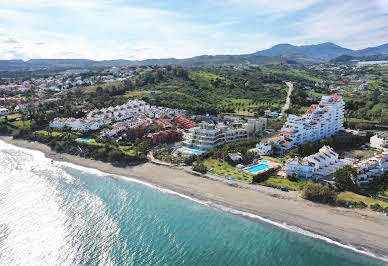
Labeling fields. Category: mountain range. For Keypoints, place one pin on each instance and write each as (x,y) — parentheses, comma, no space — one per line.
(281,53)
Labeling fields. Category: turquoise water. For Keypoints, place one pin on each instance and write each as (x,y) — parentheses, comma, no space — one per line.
(257,168)
(85,140)
(195,151)
(60,214)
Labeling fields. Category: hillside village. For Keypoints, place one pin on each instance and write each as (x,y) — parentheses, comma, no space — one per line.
(261,147)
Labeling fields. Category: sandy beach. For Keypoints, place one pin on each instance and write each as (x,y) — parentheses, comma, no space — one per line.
(362,229)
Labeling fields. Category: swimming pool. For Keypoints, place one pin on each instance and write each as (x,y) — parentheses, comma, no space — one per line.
(257,168)
(195,151)
(85,140)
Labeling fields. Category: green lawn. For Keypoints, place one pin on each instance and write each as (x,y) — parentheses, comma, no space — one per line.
(127,150)
(20,124)
(224,169)
(93,142)
(44,132)
(278,182)
(350,196)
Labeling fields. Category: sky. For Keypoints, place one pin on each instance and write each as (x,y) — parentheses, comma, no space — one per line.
(140,29)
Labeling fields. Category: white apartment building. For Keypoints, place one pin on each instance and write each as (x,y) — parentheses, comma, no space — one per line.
(379,141)
(371,169)
(316,166)
(208,136)
(121,126)
(130,110)
(320,121)
(4,111)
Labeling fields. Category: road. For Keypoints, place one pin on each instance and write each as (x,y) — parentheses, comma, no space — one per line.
(287,104)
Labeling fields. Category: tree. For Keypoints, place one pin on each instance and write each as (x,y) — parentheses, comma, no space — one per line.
(318,193)
(345,178)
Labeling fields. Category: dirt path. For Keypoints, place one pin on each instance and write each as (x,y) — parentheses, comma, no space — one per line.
(287,104)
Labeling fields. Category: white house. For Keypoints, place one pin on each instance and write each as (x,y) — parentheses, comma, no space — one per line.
(316,166)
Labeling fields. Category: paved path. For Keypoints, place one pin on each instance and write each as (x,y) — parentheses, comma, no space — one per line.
(287,104)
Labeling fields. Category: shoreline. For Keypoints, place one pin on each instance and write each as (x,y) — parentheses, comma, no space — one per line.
(361,229)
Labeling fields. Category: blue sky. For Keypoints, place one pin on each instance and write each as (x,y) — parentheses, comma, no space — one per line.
(133,29)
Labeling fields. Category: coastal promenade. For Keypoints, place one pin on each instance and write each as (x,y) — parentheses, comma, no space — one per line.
(363,229)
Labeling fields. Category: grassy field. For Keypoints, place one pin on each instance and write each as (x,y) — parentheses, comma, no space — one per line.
(46,133)
(224,169)
(142,93)
(10,116)
(125,149)
(350,196)
(277,182)
(291,71)
(20,124)
(89,89)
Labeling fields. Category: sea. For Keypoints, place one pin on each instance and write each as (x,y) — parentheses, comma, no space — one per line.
(56,213)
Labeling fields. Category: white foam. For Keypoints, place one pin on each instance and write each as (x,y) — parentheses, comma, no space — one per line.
(220,207)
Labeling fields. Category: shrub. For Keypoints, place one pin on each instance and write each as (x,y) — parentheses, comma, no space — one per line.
(292,178)
(264,176)
(190,160)
(115,155)
(19,133)
(376,207)
(318,193)
(3,129)
(201,168)
(353,204)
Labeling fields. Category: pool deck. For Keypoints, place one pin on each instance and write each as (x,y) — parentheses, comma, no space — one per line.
(269,163)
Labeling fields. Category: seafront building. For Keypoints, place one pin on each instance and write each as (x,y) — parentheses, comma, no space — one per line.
(316,166)
(208,136)
(379,141)
(371,169)
(320,121)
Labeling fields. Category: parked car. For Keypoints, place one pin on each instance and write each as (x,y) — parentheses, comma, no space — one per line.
(284,189)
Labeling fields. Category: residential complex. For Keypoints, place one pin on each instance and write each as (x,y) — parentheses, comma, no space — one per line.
(134,112)
(320,121)
(379,141)
(207,136)
(371,169)
(316,166)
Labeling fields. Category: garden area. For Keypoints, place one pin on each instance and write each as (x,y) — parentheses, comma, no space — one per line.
(224,169)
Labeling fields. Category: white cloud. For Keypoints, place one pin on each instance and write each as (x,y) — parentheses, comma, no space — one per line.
(355,24)
(285,6)
(106,30)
